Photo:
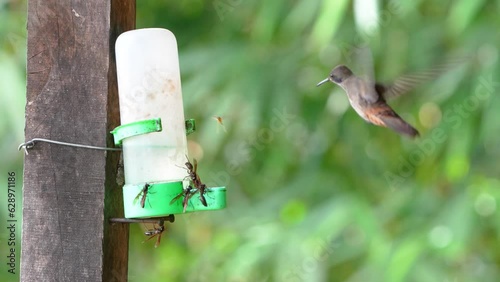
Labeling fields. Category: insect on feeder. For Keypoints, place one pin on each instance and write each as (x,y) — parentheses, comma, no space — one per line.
(153,128)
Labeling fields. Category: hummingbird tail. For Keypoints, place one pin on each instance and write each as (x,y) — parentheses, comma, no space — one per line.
(399,125)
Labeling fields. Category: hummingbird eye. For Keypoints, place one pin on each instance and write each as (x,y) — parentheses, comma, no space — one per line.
(336,79)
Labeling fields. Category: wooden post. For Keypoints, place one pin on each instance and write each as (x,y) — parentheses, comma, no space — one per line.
(69,193)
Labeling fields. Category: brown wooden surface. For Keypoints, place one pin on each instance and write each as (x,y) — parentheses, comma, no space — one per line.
(69,193)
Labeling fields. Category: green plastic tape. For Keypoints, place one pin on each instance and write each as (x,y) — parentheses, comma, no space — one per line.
(190,126)
(145,126)
(135,128)
(160,194)
(215,197)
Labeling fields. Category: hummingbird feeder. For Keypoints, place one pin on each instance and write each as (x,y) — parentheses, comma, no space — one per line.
(153,128)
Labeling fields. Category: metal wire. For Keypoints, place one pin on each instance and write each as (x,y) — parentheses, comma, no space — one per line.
(30,144)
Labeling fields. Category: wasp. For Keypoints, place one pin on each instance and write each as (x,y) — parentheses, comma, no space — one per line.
(195,179)
(202,189)
(187,194)
(155,232)
(144,192)
(219,121)
(195,185)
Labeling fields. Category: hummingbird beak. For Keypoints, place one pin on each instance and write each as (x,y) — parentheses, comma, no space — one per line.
(322,82)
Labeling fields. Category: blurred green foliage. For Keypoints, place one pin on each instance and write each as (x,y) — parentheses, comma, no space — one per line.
(314,192)
(12,103)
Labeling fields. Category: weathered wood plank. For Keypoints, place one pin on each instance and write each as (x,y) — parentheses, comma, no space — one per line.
(69,193)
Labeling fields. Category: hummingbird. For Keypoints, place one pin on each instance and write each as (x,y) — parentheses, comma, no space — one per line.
(368,98)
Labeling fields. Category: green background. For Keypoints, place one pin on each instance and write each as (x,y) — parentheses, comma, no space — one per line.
(314,192)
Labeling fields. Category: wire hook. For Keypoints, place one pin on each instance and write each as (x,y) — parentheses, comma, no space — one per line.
(30,144)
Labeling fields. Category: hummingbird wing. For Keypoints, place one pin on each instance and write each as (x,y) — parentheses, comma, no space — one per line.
(358,89)
(402,85)
(364,61)
(408,82)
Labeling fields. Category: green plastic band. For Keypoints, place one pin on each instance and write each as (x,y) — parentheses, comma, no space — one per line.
(190,126)
(135,128)
(160,194)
